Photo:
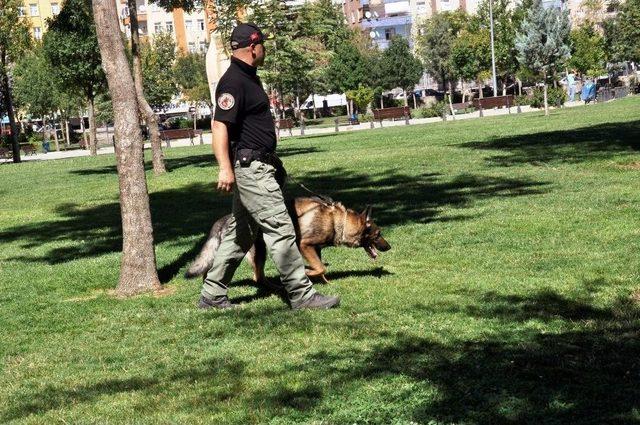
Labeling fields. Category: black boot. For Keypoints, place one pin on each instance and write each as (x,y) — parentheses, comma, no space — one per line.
(319,301)
(221,303)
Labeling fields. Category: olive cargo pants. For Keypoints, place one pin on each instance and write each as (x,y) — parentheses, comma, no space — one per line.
(258,204)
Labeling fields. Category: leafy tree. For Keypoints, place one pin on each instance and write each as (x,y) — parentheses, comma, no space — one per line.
(543,44)
(323,20)
(158,58)
(348,69)
(506,22)
(71,46)
(36,86)
(398,67)
(626,37)
(190,73)
(587,50)
(15,40)
(138,266)
(362,97)
(434,44)
(471,55)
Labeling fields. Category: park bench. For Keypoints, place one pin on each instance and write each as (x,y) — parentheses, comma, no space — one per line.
(609,93)
(28,149)
(197,133)
(179,133)
(494,102)
(285,124)
(393,113)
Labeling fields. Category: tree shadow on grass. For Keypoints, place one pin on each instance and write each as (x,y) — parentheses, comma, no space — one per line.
(199,161)
(566,146)
(190,210)
(54,397)
(586,373)
(585,370)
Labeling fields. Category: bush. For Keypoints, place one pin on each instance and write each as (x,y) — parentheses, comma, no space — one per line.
(555,97)
(340,110)
(185,123)
(523,100)
(435,110)
(35,139)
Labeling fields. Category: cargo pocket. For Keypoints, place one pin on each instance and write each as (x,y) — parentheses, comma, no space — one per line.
(271,185)
(275,218)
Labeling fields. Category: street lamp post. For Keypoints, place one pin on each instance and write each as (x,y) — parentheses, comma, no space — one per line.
(493,53)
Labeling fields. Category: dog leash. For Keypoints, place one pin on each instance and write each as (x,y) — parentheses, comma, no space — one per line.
(325,199)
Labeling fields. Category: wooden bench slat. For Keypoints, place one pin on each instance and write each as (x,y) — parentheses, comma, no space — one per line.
(395,112)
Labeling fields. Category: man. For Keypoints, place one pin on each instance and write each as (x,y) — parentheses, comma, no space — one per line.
(244,142)
(570,79)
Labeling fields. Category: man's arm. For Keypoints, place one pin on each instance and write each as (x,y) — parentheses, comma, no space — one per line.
(220,143)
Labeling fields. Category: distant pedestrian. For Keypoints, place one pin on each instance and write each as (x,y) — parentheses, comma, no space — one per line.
(570,80)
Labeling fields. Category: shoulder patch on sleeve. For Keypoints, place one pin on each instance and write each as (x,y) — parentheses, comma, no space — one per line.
(226,101)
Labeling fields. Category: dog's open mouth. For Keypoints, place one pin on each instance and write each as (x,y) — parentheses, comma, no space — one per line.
(373,253)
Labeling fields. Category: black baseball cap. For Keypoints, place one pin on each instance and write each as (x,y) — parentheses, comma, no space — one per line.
(244,35)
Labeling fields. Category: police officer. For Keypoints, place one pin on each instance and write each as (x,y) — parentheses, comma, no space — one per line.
(244,142)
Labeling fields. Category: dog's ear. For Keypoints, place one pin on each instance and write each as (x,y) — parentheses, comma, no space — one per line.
(366,214)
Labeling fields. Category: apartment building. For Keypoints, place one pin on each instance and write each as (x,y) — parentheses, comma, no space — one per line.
(37,12)
(190,30)
(383,19)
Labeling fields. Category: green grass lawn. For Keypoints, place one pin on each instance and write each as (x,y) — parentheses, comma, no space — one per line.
(503,300)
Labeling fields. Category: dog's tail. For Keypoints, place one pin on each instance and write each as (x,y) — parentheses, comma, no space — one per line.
(204,260)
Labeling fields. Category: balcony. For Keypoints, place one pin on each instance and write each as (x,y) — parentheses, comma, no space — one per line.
(387,21)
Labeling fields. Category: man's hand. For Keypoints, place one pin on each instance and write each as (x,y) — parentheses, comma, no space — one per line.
(226,179)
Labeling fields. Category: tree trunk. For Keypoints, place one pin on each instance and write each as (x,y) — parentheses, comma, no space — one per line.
(138,270)
(546,104)
(83,129)
(519,87)
(480,87)
(453,112)
(381,101)
(93,139)
(145,109)
(55,137)
(313,106)
(67,135)
(8,105)
(415,103)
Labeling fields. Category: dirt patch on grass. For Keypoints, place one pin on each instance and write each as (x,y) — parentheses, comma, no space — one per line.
(630,166)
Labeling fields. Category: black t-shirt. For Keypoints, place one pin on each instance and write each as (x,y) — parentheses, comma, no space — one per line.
(242,103)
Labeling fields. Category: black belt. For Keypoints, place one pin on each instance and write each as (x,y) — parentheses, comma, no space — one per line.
(247,156)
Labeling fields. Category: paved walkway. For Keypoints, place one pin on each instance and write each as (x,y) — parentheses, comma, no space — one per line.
(285,133)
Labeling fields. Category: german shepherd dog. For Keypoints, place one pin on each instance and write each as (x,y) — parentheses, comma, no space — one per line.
(317,223)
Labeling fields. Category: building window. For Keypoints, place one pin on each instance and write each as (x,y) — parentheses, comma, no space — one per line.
(125,12)
(203,46)
(169,26)
(188,25)
(33,10)
(389,33)
(157,27)
(192,47)
(201,24)
(37,33)
(55,9)
(20,10)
